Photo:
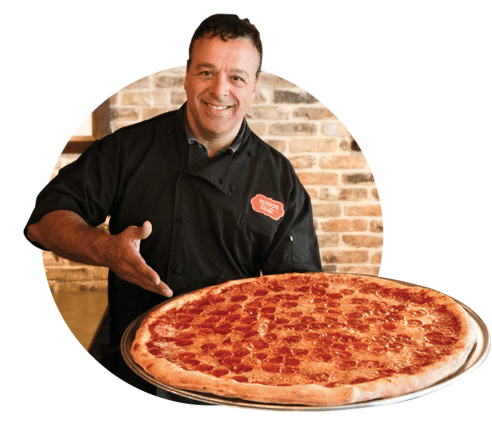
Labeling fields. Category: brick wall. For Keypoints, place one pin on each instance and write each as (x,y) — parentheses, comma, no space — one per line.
(330,164)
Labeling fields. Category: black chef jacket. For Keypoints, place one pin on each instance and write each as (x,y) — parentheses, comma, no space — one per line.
(208,225)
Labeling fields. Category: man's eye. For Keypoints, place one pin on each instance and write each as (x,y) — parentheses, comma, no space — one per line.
(206,73)
(237,79)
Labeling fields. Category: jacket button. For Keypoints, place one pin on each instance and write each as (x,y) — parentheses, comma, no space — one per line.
(232,187)
(177,271)
(220,278)
(182,220)
(168,131)
(252,153)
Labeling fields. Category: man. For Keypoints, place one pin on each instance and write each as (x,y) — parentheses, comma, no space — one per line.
(186,193)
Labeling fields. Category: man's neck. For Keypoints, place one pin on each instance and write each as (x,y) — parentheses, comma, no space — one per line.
(213,141)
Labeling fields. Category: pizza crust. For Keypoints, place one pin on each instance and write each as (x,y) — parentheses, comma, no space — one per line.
(168,373)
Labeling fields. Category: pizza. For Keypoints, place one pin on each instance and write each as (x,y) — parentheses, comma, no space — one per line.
(312,339)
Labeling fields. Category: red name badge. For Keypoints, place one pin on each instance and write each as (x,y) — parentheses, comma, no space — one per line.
(268,206)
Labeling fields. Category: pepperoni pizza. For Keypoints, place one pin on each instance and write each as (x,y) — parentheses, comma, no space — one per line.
(312,339)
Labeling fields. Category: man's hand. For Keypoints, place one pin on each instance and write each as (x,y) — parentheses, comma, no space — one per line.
(122,253)
(65,233)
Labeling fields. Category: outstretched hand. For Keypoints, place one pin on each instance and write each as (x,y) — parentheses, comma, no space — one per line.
(123,257)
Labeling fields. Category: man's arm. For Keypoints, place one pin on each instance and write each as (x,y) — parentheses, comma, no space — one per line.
(65,233)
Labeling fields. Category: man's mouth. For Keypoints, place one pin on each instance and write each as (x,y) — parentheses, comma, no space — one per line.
(218,108)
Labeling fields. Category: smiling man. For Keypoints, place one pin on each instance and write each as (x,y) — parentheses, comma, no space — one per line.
(195,198)
(220,89)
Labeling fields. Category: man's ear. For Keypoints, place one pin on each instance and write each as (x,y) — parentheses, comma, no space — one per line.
(256,83)
(186,75)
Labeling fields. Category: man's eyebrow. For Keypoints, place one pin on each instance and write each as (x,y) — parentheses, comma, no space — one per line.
(212,67)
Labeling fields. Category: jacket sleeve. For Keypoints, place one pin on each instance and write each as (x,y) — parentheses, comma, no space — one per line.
(295,246)
(86,186)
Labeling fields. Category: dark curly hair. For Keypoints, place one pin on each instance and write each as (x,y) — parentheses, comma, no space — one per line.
(228,27)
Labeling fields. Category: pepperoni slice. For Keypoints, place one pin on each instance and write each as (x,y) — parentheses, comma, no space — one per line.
(438,338)
(403,338)
(271,367)
(261,292)
(418,312)
(186,355)
(319,377)
(396,346)
(394,317)
(184,342)
(292,362)
(241,352)
(276,287)
(290,304)
(222,353)
(369,364)
(219,372)
(242,368)
(318,291)
(359,301)
(389,327)
(195,310)
(325,357)
(283,350)
(292,339)
(358,380)
(255,304)
(248,320)
(240,298)
(231,361)
(276,359)
(414,323)
(340,346)
(223,330)
(208,346)
(241,379)
(347,365)
(203,367)
(259,344)
(203,302)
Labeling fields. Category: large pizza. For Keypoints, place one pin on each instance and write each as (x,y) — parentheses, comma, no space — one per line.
(313,339)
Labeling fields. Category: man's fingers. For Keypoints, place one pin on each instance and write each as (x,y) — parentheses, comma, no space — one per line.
(153,281)
(145,230)
(164,289)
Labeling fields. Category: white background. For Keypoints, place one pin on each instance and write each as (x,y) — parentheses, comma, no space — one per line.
(410,80)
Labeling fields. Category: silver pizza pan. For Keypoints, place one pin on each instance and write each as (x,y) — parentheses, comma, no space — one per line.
(477,356)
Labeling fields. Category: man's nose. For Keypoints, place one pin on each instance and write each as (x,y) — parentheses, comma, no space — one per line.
(220,86)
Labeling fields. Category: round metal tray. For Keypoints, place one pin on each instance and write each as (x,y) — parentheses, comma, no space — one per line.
(477,356)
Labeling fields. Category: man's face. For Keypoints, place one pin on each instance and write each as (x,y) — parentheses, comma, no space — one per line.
(221,85)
